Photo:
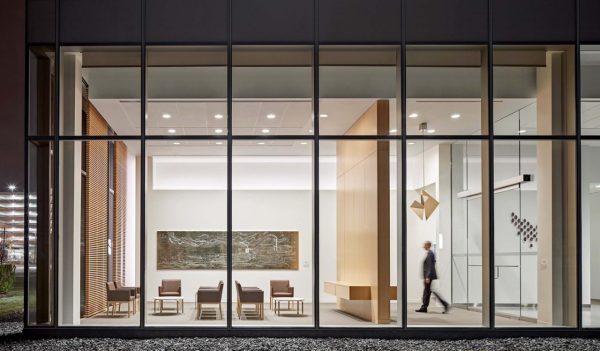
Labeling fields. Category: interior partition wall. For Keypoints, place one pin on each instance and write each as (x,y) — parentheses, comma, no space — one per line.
(332,144)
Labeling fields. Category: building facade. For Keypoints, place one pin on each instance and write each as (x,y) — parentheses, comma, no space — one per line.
(277,167)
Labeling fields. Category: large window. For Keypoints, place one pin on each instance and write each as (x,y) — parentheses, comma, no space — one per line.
(182,187)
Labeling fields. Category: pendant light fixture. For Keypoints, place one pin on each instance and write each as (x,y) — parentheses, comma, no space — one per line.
(426,204)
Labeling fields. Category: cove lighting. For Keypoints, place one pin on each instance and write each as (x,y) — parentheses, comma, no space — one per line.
(265,131)
(455,115)
(413,115)
(271,116)
(172,131)
(166,116)
(219,116)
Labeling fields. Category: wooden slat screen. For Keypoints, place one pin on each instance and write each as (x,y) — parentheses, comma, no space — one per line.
(120,214)
(96,212)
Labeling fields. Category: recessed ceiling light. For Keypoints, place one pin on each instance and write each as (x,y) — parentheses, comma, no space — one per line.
(430,131)
(310,130)
(597,186)
(522,131)
(146,116)
(265,131)
(176,143)
(413,115)
(219,143)
(271,116)
(172,131)
(218,130)
(303,143)
(455,115)
(411,143)
(323,115)
(218,116)
(261,143)
(166,116)
(393,130)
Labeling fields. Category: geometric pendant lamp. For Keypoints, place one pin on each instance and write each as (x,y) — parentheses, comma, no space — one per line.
(426,204)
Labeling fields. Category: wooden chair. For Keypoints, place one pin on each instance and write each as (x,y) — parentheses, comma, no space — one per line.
(134,290)
(116,297)
(209,295)
(280,288)
(250,295)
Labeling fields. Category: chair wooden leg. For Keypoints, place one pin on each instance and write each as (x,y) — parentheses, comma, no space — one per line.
(220,311)
(128,309)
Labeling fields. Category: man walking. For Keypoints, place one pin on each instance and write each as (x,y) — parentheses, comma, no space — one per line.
(429,275)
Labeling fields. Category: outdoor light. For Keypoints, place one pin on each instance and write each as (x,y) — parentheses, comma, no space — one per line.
(12,187)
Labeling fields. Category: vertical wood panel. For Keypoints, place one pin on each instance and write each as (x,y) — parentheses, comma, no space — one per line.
(96,215)
(120,215)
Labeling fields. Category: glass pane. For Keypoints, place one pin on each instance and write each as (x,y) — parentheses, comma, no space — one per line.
(41,91)
(534,90)
(99,234)
(272,90)
(359,265)
(107,78)
(351,80)
(535,233)
(444,229)
(590,232)
(41,235)
(446,89)
(272,233)
(590,93)
(186,233)
(186,90)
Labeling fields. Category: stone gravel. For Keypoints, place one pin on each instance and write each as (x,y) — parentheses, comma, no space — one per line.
(11,339)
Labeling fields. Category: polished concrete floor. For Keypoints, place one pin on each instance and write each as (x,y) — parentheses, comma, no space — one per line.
(329,315)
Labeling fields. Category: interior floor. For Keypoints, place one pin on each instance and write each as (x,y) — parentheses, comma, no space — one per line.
(329,315)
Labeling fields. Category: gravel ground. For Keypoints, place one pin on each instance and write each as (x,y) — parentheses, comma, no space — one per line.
(12,340)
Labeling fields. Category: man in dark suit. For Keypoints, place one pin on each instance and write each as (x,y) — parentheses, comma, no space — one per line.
(429,275)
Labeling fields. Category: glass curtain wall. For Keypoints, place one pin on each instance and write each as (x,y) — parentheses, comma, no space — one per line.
(446,88)
(90,163)
(358,186)
(272,188)
(186,186)
(535,186)
(590,184)
(98,201)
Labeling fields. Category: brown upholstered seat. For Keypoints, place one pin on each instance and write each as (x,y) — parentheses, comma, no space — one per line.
(280,288)
(251,295)
(170,287)
(116,297)
(209,295)
(134,291)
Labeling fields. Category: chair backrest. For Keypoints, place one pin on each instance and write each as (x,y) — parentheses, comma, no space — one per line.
(118,285)
(220,289)
(171,284)
(110,286)
(280,285)
(238,288)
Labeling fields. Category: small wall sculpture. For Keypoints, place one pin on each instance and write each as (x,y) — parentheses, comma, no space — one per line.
(525,229)
(186,250)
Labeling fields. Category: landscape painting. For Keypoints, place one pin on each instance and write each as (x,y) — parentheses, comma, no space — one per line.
(207,250)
